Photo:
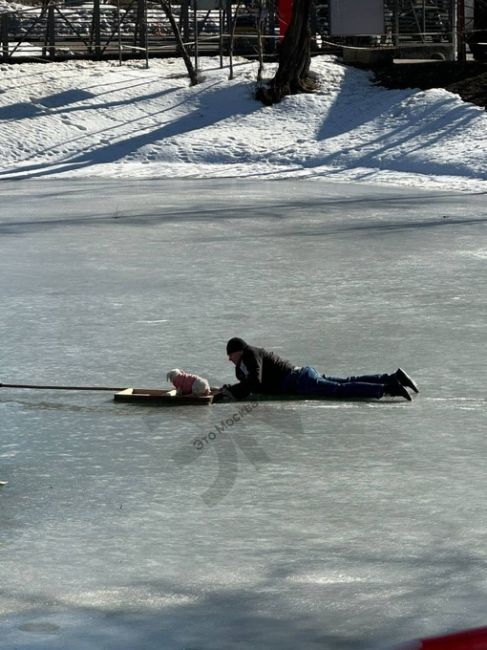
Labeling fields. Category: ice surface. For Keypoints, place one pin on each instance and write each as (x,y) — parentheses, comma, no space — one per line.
(332,525)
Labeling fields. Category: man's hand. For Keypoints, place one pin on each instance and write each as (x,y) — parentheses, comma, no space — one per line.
(223,394)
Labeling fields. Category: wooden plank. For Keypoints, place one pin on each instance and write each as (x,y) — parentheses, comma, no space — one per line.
(160,397)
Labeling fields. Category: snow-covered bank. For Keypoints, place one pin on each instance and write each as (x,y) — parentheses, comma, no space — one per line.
(102,119)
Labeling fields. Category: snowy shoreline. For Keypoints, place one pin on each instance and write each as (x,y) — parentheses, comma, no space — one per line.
(85,119)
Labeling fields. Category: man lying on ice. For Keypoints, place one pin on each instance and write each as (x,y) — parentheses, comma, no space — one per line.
(260,371)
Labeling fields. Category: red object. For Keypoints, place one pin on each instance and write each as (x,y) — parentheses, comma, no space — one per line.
(467,640)
(285,15)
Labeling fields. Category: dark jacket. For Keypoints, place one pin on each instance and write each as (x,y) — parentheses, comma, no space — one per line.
(259,371)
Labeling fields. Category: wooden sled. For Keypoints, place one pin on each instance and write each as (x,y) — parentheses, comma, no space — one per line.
(159,397)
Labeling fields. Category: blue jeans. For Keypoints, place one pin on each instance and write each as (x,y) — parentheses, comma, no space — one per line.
(308,381)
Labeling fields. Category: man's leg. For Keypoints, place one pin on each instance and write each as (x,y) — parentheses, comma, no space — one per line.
(310,382)
(400,375)
(367,379)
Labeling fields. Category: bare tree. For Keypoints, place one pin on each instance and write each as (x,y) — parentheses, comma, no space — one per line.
(232,38)
(167,8)
(293,74)
(260,45)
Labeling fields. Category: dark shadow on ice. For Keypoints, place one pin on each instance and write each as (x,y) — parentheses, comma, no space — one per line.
(399,217)
(385,228)
(210,618)
(342,597)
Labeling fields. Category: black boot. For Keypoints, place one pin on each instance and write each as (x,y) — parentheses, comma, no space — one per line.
(405,380)
(395,389)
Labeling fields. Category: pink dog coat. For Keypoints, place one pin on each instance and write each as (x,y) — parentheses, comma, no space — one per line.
(183,382)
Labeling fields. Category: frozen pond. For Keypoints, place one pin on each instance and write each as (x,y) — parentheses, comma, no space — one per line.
(333,525)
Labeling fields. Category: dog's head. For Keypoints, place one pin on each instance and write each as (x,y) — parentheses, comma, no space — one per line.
(175,372)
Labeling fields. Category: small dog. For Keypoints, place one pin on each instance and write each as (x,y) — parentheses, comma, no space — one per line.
(188,384)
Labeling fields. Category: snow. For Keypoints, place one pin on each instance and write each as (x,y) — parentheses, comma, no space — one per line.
(142,224)
(82,119)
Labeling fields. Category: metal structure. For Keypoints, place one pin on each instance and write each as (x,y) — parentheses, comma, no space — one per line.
(438,29)
(54,30)
(61,29)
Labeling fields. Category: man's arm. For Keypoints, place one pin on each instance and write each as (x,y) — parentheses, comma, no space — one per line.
(249,371)
(238,391)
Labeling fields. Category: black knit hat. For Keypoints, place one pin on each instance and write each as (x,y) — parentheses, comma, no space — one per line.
(235,345)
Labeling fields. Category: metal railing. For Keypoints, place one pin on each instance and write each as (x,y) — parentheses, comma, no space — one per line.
(54,30)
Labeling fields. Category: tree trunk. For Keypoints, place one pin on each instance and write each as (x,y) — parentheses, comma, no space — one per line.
(292,75)
(167,8)
(232,39)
